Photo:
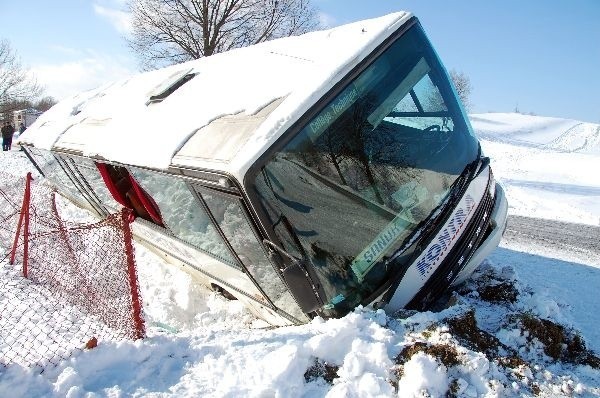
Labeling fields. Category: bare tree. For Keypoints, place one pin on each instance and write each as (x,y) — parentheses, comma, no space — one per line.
(17,85)
(463,87)
(173,31)
(44,103)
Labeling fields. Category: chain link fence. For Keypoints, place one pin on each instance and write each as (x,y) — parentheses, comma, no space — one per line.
(70,284)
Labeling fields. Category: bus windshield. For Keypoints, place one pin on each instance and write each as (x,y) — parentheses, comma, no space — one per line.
(350,190)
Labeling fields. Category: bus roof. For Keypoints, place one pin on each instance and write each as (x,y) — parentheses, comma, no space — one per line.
(220,112)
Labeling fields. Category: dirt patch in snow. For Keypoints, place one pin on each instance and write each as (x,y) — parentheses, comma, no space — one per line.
(504,292)
(323,370)
(446,353)
(559,343)
(466,329)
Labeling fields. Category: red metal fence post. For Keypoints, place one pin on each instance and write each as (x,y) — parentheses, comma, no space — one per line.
(13,252)
(23,219)
(26,225)
(140,329)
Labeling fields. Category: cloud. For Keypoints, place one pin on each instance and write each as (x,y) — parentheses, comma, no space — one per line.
(68,78)
(120,20)
(327,20)
(66,51)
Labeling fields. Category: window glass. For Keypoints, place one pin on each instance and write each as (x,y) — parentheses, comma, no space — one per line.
(234,224)
(90,172)
(423,108)
(55,173)
(351,191)
(125,190)
(182,214)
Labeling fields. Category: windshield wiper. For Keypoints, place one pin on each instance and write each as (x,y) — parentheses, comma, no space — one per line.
(456,193)
(289,228)
(466,176)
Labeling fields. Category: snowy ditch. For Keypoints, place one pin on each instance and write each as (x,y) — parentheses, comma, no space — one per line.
(524,325)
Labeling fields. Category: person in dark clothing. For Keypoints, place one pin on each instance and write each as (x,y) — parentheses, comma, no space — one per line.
(7,134)
(22,128)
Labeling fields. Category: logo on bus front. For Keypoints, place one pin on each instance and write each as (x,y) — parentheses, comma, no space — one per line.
(444,240)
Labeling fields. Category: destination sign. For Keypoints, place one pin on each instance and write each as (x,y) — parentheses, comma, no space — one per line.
(333,111)
(363,263)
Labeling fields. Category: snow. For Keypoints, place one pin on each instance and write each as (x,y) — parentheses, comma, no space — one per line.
(200,344)
(548,166)
(423,373)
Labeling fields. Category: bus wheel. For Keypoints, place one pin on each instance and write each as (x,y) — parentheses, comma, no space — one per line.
(222,292)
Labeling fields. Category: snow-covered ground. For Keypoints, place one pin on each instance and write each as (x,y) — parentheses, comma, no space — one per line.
(523,326)
(548,166)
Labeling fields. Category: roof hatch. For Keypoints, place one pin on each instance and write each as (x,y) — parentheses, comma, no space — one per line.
(169,86)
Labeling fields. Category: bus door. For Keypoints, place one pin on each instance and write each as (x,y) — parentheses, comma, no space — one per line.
(233,219)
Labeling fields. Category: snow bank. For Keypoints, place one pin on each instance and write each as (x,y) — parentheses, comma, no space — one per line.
(484,340)
(548,166)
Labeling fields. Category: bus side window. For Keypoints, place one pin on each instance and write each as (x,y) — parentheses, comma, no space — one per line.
(55,173)
(125,190)
(90,173)
(232,220)
(182,215)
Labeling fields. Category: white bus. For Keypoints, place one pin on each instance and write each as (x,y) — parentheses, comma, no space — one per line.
(305,176)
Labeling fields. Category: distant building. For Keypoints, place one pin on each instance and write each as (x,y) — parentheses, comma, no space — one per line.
(25,116)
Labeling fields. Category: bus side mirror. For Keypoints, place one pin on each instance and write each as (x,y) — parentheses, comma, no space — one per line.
(298,281)
(296,278)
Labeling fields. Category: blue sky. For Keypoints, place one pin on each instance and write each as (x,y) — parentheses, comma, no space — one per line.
(539,56)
